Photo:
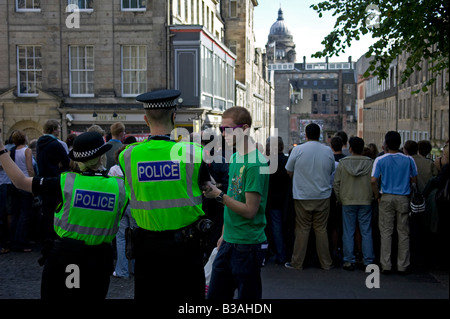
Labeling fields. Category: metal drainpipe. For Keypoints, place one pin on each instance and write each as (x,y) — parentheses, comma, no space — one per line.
(169,14)
(396,96)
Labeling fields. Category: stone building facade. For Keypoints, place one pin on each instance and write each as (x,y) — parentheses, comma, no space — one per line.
(308,92)
(280,47)
(403,107)
(85,65)
(253,90)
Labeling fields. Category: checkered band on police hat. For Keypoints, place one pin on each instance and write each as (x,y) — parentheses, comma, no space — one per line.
(88,146)
(160,99)
(160,105)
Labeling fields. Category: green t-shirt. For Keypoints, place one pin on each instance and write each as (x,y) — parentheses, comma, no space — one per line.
(244,176)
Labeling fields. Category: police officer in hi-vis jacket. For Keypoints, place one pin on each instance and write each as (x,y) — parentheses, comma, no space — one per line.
(165,180)
(80,263)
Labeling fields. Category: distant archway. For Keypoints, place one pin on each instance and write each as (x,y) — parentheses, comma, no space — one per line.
(32,129)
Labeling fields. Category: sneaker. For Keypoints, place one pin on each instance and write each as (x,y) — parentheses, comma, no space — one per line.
(117,276)
(288,265)
(348,266)
(329,268)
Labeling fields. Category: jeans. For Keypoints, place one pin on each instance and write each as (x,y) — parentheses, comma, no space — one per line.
(5,211)
(237,266)
(362,214)
(122,261)
(22,213)
(276,218)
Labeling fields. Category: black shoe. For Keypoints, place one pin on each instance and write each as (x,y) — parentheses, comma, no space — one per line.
(386,271)
(403,272)
(279,262)
(348,266)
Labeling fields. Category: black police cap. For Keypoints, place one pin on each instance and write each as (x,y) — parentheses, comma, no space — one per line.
(87,146)
(160,99)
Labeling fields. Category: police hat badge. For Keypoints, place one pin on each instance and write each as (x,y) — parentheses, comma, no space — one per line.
(159,99)
(87,146)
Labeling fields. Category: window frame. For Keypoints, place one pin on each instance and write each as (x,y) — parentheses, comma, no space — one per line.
(233,5)
(85,3)
(132,9)
(28,9)
(34,70)
(83,71)
(122,70)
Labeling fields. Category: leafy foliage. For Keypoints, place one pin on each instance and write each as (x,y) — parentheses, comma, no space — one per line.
(417,27)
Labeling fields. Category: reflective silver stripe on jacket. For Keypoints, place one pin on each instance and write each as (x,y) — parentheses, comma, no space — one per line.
(84,230)
(164,203)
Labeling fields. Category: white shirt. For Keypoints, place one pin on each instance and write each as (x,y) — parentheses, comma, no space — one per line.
(313,165)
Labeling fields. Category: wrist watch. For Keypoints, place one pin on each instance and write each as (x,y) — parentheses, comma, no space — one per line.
(4,151)
(219,198)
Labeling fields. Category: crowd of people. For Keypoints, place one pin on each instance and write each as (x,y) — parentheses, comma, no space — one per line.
(354,198)
(357,201)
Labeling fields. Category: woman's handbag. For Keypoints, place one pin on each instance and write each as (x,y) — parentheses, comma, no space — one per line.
(417,202)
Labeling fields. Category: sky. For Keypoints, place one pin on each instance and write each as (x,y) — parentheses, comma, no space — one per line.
(306,27)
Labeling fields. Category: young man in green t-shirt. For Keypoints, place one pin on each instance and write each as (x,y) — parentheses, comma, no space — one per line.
(243,244)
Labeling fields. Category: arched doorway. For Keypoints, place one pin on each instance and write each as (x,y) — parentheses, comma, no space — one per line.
(32,129)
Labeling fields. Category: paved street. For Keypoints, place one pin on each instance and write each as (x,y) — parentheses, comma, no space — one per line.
(20,277)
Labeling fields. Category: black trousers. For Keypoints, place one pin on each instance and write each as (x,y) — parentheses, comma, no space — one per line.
(167,268)
(77,271)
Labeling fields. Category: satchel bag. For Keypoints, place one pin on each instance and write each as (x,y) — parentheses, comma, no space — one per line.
(417,201)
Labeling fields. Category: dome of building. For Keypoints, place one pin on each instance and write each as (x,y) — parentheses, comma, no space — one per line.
(279,27)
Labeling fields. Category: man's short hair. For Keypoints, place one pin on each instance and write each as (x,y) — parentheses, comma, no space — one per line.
(96,128)
(240,115)
(411,147)
(117,128)
(312,131)
(343,136)
(392,140)
(50,126)
(336,143)
(424,147)
(357,144)
(280,144)
(160,115)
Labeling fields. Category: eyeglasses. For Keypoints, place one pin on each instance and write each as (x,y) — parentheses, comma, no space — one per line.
(223,128)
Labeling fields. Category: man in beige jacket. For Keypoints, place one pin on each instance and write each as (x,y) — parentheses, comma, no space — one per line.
(352,185)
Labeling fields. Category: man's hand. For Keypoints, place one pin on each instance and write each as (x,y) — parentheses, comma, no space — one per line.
(210,190)
(219,241)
